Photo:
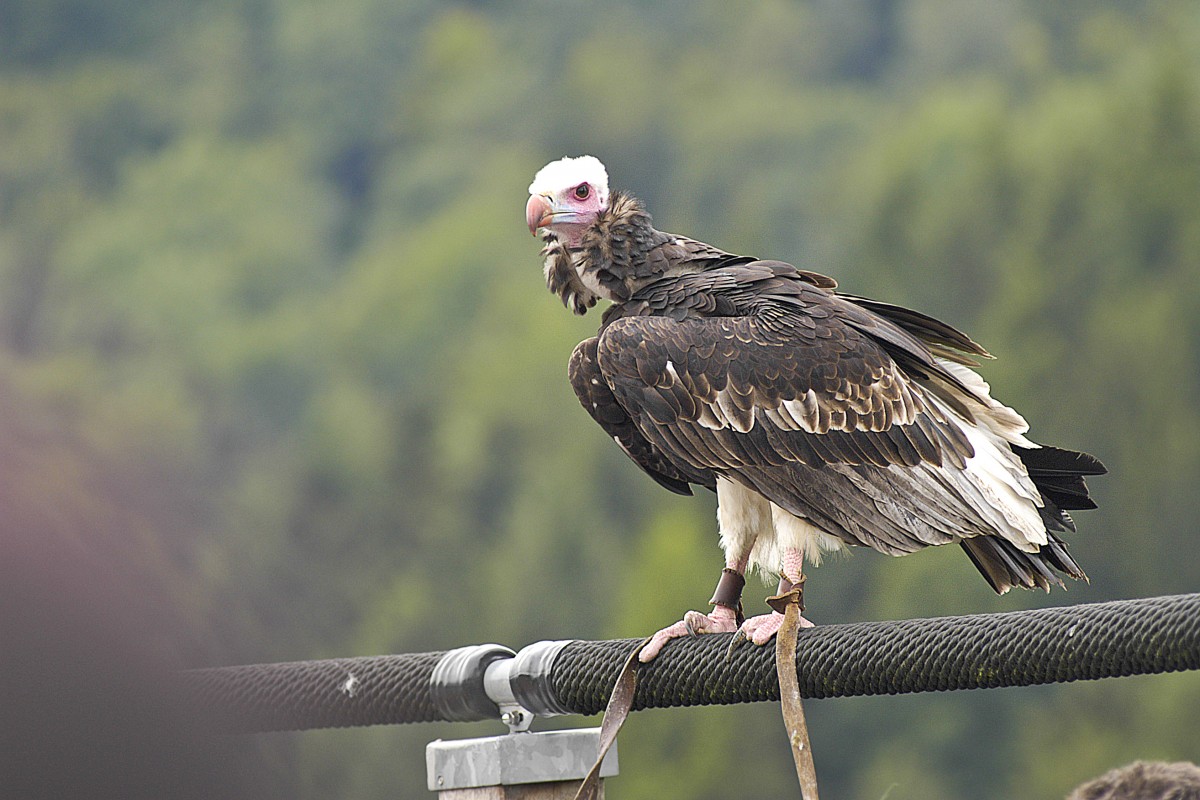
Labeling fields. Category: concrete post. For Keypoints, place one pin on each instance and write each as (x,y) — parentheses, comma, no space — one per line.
(518,766)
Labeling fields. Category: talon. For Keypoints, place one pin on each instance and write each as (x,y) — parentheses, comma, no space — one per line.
(721,620)
(739,638)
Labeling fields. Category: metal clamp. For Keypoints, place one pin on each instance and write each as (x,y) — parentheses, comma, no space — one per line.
(489,681)
(457,682)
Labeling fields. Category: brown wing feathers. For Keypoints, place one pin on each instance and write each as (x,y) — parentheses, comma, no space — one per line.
(822,391)
(791,395)
(596,396)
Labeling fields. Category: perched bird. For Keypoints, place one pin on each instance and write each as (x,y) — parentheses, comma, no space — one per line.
(820,419)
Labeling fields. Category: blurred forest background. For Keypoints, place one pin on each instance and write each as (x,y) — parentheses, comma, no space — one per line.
(276,352)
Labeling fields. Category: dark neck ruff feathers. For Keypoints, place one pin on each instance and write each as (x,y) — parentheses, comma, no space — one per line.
(621,253)
(619,249)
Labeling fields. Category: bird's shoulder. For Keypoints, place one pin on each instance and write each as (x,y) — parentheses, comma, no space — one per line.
(733,286)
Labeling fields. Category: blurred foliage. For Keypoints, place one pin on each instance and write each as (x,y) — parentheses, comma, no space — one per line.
(275,345)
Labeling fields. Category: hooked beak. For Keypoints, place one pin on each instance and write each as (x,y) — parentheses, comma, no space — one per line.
(538,212)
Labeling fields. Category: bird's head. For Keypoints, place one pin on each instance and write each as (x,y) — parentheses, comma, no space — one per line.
(567,196)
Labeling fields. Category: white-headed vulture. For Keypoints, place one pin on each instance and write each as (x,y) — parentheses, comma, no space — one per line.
(820,419)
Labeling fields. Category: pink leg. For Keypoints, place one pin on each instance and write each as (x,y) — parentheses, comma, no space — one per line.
(762,629)
(722,619)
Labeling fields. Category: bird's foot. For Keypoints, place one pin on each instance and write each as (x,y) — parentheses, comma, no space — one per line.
(721,620)
(760,630)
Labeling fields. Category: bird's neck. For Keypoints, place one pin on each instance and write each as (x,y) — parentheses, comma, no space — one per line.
(620,252)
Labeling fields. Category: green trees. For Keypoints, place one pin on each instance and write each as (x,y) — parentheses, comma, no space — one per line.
(274,338)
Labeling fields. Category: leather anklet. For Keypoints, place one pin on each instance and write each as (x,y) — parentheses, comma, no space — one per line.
(729,592)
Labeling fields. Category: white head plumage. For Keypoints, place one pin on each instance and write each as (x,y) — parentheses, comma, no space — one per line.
(568,172)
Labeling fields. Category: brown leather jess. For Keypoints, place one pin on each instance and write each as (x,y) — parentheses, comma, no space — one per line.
(729,592)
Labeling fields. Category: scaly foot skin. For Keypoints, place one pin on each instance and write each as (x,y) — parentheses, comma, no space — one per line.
(760,630)
(721,620)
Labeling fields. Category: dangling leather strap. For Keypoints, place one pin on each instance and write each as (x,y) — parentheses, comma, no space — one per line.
(788,593)
(619,704)
(789,688)
(729,592)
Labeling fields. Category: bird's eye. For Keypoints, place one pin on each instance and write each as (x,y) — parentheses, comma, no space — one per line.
(582,191)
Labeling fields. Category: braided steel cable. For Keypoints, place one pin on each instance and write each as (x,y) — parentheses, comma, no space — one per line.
(1021,648)
(304,695)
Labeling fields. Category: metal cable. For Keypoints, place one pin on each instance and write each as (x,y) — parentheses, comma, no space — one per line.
(303,695)
(1022,648)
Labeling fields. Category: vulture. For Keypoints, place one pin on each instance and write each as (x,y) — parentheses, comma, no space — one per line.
(821,420)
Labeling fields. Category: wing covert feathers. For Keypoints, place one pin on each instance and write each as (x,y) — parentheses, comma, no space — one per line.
(597,398)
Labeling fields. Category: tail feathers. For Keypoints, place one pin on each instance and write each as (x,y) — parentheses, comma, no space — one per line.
(1068,493)
(1054,518)
(1059,475)
(1057,461)
(1004,566)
